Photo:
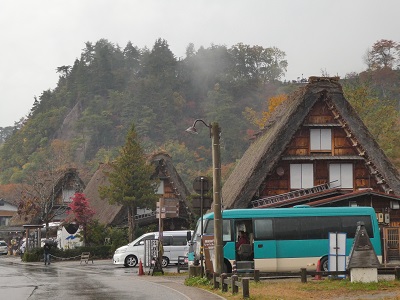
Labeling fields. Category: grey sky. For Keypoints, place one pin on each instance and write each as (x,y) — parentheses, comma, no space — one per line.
(39,36)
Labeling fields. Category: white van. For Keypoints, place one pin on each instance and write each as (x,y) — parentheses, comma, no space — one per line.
(174,245)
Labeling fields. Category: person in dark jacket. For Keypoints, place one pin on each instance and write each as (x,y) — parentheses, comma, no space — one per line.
(243,239)
(46,249)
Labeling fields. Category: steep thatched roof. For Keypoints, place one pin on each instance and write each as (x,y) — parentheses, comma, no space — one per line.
(115,214)
(164,167)
(66,179)
(106,213)
(265,152)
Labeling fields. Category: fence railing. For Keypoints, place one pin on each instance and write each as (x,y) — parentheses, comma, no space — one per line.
(233,282)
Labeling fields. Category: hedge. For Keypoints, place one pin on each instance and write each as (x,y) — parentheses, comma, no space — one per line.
(97,252)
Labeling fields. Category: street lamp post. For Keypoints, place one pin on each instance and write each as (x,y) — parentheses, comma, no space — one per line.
(217,207)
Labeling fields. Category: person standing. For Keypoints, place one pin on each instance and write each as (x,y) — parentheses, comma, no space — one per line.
(46,249)
(243,239)
(22,249)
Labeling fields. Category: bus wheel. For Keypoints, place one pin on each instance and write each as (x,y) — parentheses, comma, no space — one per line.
(324,263)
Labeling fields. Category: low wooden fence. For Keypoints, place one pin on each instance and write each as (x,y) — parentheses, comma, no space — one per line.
(233,282)
(223,282)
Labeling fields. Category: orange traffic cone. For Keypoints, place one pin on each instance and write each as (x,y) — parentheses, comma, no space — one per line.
(141,272)
(317,276)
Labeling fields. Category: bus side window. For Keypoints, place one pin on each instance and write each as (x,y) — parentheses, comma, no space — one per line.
(263,229)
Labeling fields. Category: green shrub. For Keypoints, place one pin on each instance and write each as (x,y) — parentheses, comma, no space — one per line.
(32,255)
(97,252)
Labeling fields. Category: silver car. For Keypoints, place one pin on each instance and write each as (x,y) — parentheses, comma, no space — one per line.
(3,247)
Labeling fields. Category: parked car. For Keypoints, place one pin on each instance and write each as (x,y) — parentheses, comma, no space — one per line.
(3,247)
(174,245)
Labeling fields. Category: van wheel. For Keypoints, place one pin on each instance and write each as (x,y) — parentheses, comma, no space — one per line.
(131,261)
(165,262)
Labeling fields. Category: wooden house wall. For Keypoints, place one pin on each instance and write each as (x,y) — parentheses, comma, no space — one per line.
(169,192)
(299,146)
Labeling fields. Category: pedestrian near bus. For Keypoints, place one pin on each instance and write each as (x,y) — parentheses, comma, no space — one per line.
(46,249)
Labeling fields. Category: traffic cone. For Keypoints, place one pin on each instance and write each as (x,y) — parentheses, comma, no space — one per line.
(317,276)
(141,272)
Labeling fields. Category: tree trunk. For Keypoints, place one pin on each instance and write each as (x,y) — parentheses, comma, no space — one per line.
(131,222)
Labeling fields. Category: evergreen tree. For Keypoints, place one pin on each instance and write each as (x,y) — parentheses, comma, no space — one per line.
(130,180)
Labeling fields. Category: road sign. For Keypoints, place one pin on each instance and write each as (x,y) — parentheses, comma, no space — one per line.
(207,201)
(201,185)
(170,209)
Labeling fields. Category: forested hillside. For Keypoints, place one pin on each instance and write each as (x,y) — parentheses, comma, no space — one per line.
(99,96)
(85,119)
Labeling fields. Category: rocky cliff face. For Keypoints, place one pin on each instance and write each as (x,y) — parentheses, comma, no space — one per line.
(68,131)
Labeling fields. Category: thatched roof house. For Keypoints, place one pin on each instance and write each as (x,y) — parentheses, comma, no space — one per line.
(172,185)
(105,213)
(57,196)
(267,167)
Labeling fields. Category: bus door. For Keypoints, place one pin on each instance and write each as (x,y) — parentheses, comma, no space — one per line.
(264,245)
(244,240)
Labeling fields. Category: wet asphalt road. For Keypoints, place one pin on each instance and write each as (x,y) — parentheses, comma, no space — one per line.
(101,280)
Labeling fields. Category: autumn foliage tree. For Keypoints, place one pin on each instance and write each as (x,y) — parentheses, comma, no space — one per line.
(260,119)
(80,213)
(384,54)
(380,116)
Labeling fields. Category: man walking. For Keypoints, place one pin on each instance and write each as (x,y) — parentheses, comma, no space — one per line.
(46,249)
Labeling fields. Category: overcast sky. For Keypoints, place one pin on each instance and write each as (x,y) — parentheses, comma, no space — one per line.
(37,36)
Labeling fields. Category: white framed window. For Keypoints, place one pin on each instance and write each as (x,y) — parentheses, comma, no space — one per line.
(67,195)
(341,175)
(301,176)
(320,139)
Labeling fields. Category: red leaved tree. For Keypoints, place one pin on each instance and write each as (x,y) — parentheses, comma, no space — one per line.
(80,212)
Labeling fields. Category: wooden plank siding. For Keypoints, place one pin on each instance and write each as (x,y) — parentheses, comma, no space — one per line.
(299,147)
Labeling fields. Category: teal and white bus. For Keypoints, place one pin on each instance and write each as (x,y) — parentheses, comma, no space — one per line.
(287,239)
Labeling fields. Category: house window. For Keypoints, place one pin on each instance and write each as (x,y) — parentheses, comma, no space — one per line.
(320,139)
(301,176)
(67,195)
(341,175)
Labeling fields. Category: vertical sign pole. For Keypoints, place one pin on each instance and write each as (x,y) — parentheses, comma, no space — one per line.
(160,231)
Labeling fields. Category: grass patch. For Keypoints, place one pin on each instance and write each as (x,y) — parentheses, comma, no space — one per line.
(295,290)
(198,282)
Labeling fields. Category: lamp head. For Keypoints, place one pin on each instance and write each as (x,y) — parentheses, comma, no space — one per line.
(192,130)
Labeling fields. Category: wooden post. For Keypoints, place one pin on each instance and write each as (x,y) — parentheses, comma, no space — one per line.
(246,289)
(397,273)
(235,288)
(215,281)
(303,272)
(256,275)
(224,285)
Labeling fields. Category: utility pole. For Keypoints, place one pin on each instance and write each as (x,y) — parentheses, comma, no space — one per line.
(216,158)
